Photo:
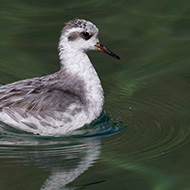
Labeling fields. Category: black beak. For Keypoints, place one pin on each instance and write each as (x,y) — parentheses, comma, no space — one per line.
(100,47)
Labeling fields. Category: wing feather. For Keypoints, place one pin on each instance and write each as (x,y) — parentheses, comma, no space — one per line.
(32,95)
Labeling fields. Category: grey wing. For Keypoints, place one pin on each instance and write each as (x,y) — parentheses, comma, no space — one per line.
(31,96)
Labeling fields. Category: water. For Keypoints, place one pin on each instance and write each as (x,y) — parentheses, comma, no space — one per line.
(142,140)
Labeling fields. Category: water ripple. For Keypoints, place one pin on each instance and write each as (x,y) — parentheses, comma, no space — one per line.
(153,130)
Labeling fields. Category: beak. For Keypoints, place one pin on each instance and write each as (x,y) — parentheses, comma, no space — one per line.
(100,47)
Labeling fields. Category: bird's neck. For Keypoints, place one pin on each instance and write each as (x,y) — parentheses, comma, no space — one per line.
(78,64)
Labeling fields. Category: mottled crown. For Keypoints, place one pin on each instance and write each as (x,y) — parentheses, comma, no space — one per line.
(81,23)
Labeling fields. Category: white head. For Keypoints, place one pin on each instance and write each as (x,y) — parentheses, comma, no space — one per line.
(80,35)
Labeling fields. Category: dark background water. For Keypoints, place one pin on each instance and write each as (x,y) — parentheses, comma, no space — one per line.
(147,96)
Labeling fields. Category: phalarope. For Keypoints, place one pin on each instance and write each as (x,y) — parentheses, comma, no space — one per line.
(66,100)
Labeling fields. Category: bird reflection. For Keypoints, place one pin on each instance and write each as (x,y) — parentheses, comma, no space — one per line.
(66,157)
(77,163)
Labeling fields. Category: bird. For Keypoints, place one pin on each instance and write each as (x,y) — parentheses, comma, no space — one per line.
(64,101)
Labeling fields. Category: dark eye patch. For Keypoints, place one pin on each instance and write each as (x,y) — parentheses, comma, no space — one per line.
(73,36)
(85,35)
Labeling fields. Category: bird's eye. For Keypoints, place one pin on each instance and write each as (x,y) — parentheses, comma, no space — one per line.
(86,35)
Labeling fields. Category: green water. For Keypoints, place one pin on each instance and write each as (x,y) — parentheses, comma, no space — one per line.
(142,141)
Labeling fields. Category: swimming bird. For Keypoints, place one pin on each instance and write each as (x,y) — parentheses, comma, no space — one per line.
(66,100)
